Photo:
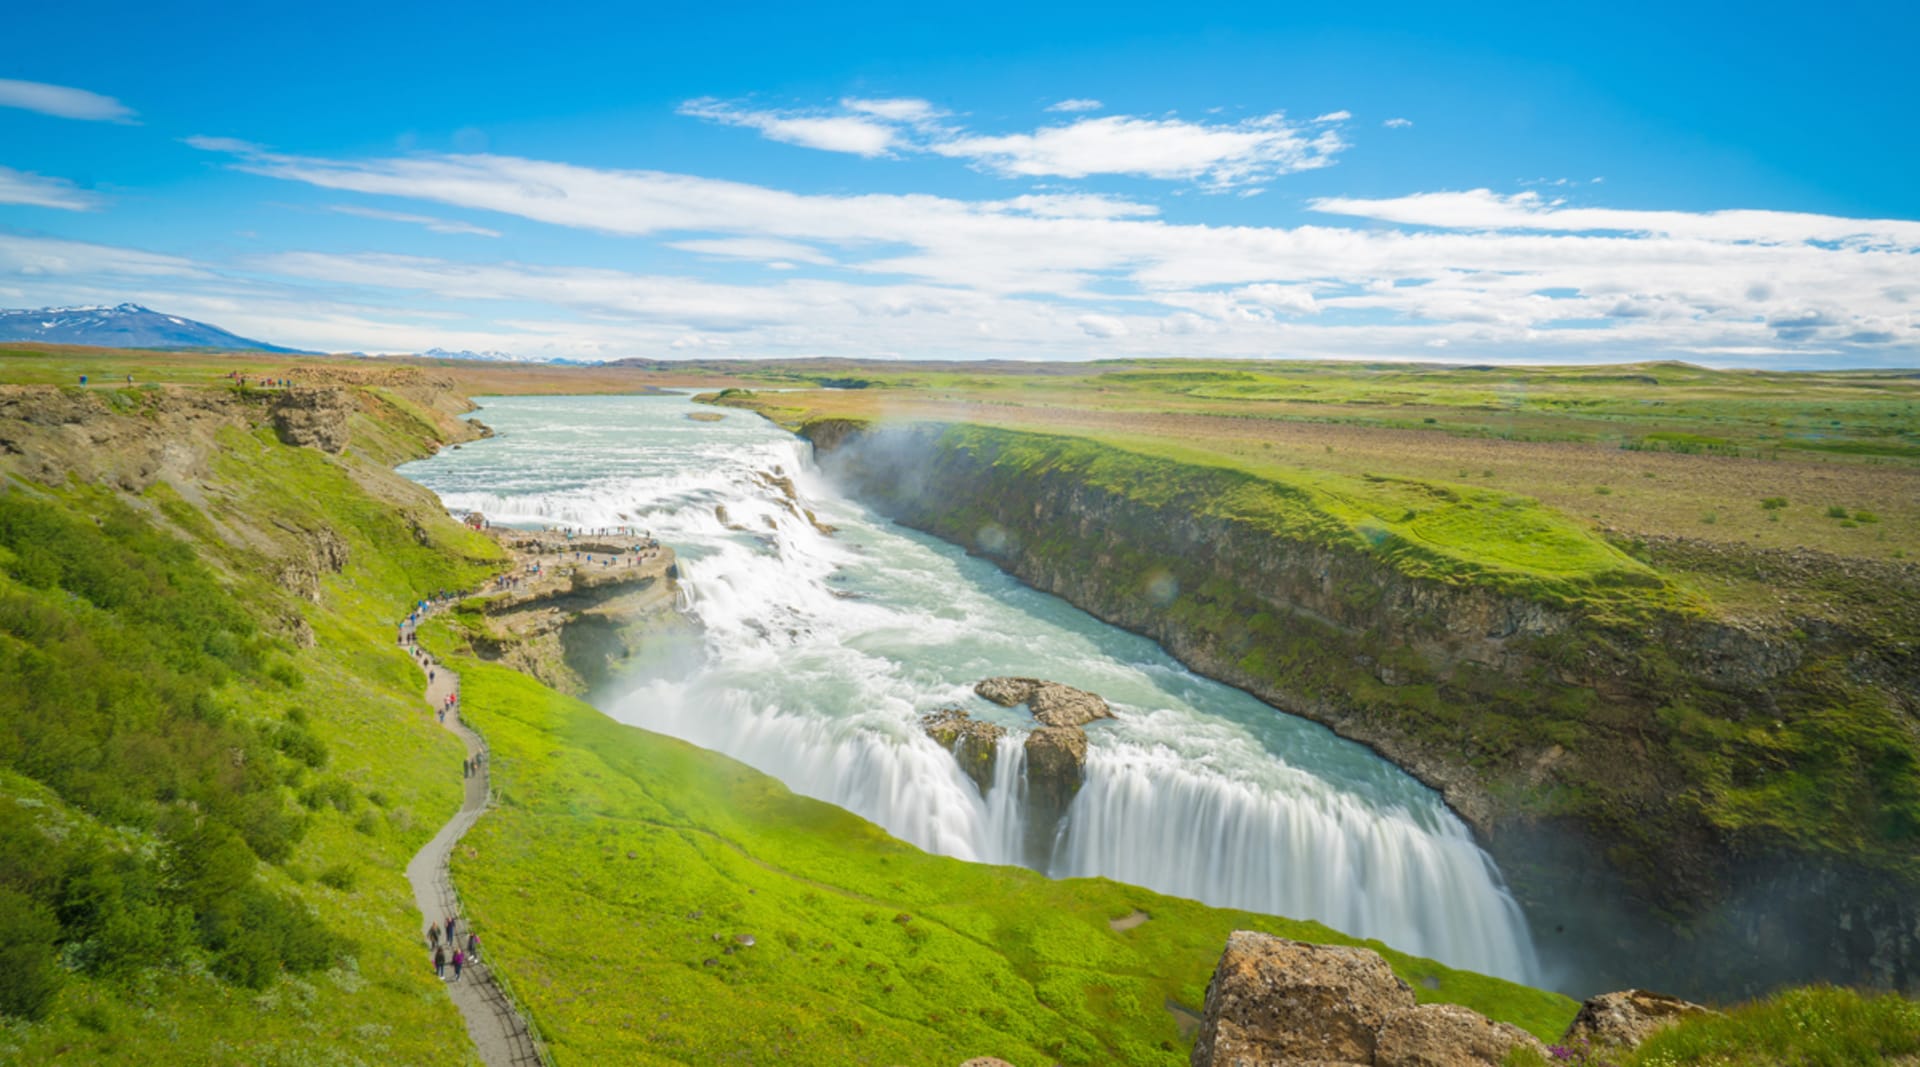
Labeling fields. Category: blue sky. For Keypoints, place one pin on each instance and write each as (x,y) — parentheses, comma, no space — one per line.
(1728,185)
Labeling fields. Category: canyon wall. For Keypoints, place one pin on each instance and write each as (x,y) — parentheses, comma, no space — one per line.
(1578,743)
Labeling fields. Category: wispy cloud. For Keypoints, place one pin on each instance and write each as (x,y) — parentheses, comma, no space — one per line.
(1218,156)
(855,134)
(1215,155)
(433,223)
(1397,123)
(1482,275)
(1487,210)
(52,257)
(895,109)
(1076,104)
(63,101)
(229,145)
(757,249)
(21,187)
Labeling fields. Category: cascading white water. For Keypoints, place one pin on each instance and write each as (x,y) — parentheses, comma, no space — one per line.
(822,651)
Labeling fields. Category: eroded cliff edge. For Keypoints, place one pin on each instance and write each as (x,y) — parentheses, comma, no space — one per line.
(1612,751)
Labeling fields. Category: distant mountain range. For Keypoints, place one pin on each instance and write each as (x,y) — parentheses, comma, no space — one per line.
(133,326)
(120,326)
(488,356)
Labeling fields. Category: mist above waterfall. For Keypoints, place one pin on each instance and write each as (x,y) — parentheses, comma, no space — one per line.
(822,650)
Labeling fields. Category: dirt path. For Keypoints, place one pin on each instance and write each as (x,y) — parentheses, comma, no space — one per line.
(499,1033)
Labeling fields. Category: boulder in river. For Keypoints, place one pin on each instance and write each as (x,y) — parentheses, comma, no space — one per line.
(1052,704)
(1056,767)
(974,744)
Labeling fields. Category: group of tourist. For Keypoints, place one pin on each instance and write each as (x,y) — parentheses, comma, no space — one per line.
(442,936)
(461,956)
(257,380)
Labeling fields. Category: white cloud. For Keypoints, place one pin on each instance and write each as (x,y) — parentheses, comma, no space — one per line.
(775,253)
(1076,104)
(1334,116)
(1397,124)
(62,101)
(832,133)
(1494,277)
(1078,206)
(231,145)
(1215,155)
(1485,209)
(437,225)
(34,190)
(51,257)
(895,109)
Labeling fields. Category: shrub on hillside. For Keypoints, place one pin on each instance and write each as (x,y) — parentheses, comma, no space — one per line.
(30,972)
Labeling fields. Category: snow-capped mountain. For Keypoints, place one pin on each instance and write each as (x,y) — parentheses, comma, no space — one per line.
(489,356)
(120,326)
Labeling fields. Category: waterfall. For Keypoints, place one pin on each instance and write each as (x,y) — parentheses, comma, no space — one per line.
(1308,852)
(822,651)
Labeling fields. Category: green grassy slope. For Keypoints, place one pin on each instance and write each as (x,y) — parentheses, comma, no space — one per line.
(621,866)
(204,820)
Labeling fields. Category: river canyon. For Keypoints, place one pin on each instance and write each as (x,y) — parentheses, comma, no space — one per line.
(825,632)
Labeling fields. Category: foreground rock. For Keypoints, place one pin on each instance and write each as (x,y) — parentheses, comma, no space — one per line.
(974,744)
(1273,1001)
(1624,1020)
(1051,703)
(1448,1035)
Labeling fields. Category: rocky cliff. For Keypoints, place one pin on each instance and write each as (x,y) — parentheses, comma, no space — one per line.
(1594,751)
(576,614)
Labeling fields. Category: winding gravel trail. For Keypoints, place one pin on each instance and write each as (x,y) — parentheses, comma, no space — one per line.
(498,1030)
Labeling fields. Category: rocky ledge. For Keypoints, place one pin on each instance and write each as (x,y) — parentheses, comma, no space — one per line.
(1273,1001)
(1052,704)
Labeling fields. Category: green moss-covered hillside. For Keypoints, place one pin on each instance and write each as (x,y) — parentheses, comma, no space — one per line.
(213,762)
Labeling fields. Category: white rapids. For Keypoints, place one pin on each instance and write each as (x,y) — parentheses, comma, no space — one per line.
(820,652)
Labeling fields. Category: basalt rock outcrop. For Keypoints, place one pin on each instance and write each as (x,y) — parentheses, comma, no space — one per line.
(1275,1002)
(313,416)
(1056,750)
(1056,769)
(1051,703)
(974,744)
(580,621)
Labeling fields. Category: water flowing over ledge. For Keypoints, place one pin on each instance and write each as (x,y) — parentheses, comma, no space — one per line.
(822,650)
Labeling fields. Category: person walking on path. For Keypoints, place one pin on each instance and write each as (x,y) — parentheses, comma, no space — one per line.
(459,960)
(473,947)
(433,936)
(439,962)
